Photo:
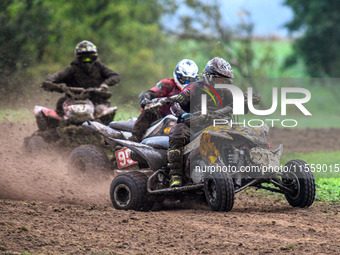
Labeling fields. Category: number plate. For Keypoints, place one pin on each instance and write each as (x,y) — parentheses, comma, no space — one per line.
(123,159)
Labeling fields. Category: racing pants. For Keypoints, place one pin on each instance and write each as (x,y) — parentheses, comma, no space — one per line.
(178,138)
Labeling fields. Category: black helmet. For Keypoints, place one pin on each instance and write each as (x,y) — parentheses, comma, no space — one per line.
(217,70)
(86,51)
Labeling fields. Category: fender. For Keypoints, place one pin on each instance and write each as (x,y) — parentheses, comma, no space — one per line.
(106,131)
(229,135)
(107,111)
(256,135)
(156,158)
(45,112)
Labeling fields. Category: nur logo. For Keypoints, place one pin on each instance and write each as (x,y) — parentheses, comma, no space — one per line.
(239,100)
(204,98)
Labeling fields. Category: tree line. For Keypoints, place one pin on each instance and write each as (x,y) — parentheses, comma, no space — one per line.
(37,38)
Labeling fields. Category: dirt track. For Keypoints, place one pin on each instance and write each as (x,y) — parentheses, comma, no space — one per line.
(44,210)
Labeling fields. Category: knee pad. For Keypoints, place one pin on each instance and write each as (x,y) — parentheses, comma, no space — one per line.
(175,155)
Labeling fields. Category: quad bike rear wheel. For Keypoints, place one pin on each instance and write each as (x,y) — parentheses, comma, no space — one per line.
(128,192)
(298,177)
(219,191)
(88,161)
(35,143)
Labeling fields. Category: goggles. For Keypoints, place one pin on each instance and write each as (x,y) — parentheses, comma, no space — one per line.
(89,57)
(214,79)
(186,80)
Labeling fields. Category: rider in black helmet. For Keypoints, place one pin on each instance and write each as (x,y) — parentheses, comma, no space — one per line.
(216,71)
(85,71)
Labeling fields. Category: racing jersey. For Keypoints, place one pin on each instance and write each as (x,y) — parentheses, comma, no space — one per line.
(165,88)
(190,99)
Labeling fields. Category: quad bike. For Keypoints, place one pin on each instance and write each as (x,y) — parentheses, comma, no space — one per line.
(65,129)
(95,159)
(219,162)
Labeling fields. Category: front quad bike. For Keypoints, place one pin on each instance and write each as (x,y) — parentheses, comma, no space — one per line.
(219,162)
(120,155)
(65,129)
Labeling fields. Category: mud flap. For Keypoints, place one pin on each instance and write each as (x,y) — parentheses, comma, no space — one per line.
(107,111)
(265,157)
(100,128)
(155,158)
(46,113)
(123,158)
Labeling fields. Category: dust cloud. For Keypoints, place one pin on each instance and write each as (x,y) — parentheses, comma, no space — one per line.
(43,175)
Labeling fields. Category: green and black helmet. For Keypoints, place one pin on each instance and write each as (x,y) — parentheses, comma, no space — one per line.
(86,51)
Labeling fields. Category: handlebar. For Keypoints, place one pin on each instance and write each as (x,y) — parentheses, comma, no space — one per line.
(159,102)
(76,92)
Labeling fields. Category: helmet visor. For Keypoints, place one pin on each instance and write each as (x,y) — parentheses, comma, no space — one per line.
(215,79)
(87,57)
(219,80)
(187,80)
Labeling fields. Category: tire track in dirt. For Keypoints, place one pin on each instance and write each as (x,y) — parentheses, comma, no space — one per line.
(62,215)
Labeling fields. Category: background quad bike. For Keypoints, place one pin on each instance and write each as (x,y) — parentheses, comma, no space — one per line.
(97,159)
(66,132)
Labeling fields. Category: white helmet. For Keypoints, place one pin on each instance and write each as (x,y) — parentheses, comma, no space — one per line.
(186,71)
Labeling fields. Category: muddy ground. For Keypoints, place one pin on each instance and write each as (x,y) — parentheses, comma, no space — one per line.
(44,210)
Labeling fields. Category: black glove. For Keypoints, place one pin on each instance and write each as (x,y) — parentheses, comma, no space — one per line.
(144,102)
(146,97)
(50,86)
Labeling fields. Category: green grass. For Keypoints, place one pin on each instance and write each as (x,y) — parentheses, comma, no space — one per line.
(22,115)
(318,162)
(279,51)
(327,189)
(126,112)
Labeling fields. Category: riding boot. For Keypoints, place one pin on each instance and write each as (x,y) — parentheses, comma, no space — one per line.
(175,163)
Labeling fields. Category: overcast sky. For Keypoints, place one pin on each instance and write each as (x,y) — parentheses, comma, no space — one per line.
(269,16)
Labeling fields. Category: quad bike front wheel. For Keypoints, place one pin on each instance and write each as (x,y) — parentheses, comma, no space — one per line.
(128,192)
(300,180)
(88,161)
(219,191)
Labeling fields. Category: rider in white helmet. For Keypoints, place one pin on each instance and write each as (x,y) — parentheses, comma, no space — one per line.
(186,71)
